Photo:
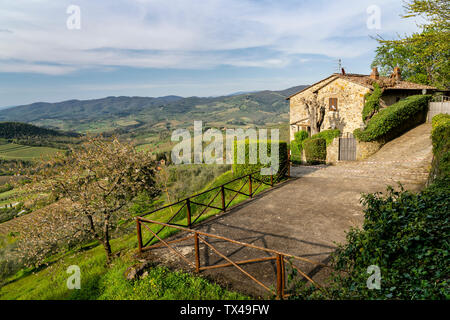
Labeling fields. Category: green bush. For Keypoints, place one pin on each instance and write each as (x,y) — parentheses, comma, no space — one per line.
(296,145)
(372,104)
(328,135)
(440,136)
(315,150)
(395,120)
(406,235)
(247,168)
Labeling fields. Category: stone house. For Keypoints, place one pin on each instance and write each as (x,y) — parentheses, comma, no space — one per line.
(344,97)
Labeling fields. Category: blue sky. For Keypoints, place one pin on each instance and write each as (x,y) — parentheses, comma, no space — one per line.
(180,47)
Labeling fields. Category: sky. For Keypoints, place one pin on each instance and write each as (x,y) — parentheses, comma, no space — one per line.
(84,49)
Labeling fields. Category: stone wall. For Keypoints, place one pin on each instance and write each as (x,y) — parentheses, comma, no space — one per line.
(333,151)
(350,104)
(366,149)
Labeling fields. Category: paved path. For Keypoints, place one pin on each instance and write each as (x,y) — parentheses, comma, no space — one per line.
(307,216)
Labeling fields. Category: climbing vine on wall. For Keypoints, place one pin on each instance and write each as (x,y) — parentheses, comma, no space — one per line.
(372,104)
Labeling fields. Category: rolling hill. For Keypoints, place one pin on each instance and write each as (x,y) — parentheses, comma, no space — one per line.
(15,130)
(145,113)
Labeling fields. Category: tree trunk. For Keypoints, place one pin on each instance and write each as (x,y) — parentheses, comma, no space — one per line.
(105,241)
(316,113)
(107,247)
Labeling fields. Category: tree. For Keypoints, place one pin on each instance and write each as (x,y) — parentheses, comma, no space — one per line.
(96,181)
(316,112)
(423,57)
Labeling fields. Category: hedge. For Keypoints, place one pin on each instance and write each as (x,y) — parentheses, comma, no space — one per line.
(296,145)
(247,168)
(315,150)
(440,136)
(328,135)
(395,120)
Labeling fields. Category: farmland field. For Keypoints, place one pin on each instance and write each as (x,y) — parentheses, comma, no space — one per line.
(20,152)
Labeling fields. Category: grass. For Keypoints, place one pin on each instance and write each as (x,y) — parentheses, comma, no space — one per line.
(100,282)
(20,152)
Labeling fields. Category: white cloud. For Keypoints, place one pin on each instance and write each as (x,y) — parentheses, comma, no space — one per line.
(186,34)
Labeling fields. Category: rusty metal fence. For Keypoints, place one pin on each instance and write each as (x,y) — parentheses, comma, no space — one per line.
(280,258)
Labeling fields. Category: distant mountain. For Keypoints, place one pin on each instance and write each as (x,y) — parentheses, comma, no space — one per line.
(6,107)
(130,113)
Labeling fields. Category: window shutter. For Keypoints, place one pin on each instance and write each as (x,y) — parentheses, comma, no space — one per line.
(333,102)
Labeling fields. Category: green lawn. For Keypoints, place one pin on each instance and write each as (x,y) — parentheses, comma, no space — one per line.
(20,152)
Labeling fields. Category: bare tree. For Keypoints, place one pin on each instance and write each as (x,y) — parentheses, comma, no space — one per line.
(99,179)
(316,112)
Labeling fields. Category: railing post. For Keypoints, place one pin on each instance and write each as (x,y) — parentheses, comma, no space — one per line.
(250,189)
(197,253)
(139,234)
(280,276)
(188,207)
(222,191)
(289,165)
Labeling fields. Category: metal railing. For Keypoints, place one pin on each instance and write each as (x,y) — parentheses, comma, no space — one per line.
(280,258)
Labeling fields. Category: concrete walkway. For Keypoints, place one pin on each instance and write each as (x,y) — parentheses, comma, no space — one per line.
(306,216)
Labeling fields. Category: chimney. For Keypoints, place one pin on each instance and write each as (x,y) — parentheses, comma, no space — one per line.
(374,75)
(343,71)
(397,74)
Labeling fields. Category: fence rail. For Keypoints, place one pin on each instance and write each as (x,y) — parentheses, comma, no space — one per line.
(280,258)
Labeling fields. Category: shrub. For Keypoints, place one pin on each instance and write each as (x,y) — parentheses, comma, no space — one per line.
(405,235)
(328,135)
(296,145)
(247,168)
(372,104)
(440,136)
(393,121)
(315,150)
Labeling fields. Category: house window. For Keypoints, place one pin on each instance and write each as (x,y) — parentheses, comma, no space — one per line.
(333,104)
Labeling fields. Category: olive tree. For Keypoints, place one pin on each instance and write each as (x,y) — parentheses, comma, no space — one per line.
(316,112)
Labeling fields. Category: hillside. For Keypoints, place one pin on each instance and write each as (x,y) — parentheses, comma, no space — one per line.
(14,130)
(112,113)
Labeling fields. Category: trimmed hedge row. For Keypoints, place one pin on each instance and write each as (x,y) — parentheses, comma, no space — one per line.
(315,150)
(247,168)
(440,136)
(296,145)
(395,120)
(328,135)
